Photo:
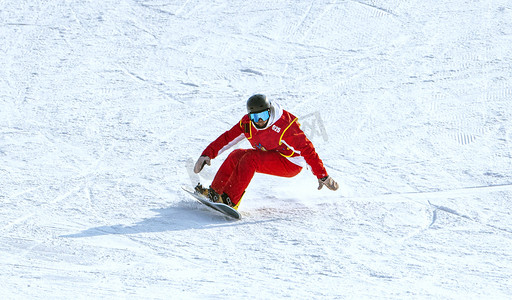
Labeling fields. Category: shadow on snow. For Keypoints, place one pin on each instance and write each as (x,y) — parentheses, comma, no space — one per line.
(168,219)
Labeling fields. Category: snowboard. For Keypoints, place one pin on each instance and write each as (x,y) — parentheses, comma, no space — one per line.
(220,207)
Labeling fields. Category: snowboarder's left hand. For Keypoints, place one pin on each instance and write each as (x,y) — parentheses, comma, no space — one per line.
(328,182)
(203,160)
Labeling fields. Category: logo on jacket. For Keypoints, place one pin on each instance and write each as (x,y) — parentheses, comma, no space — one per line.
(259,146)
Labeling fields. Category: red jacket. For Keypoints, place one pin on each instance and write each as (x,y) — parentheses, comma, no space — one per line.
(282,134)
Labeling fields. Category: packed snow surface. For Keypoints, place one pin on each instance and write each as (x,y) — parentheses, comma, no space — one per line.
(106,104)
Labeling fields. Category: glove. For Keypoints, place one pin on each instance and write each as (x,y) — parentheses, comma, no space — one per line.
(328,182)
(203,160)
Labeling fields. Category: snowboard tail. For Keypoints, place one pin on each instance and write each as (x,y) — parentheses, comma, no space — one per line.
(220,207)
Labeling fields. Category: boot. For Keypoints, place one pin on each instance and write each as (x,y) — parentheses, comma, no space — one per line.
(213,196)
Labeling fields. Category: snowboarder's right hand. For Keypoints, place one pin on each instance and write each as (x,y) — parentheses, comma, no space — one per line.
(203,160)
(328,182)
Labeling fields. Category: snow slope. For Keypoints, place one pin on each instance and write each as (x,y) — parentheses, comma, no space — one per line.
(105,105)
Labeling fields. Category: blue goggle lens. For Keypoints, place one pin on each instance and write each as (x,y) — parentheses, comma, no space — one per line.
(264,115)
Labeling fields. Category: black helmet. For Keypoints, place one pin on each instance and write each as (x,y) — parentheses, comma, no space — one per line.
(257,103)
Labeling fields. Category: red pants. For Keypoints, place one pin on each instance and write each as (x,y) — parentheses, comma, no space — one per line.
(238,169)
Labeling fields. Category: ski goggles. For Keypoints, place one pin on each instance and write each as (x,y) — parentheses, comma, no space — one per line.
(264,115)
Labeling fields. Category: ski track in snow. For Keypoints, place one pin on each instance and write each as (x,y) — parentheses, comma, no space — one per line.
(106,105)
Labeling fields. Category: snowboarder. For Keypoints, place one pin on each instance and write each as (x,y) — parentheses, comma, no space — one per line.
(280,148)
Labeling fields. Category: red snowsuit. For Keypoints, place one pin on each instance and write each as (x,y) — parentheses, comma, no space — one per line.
(280,149)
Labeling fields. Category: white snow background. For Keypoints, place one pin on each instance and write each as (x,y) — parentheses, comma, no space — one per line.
(105,106)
